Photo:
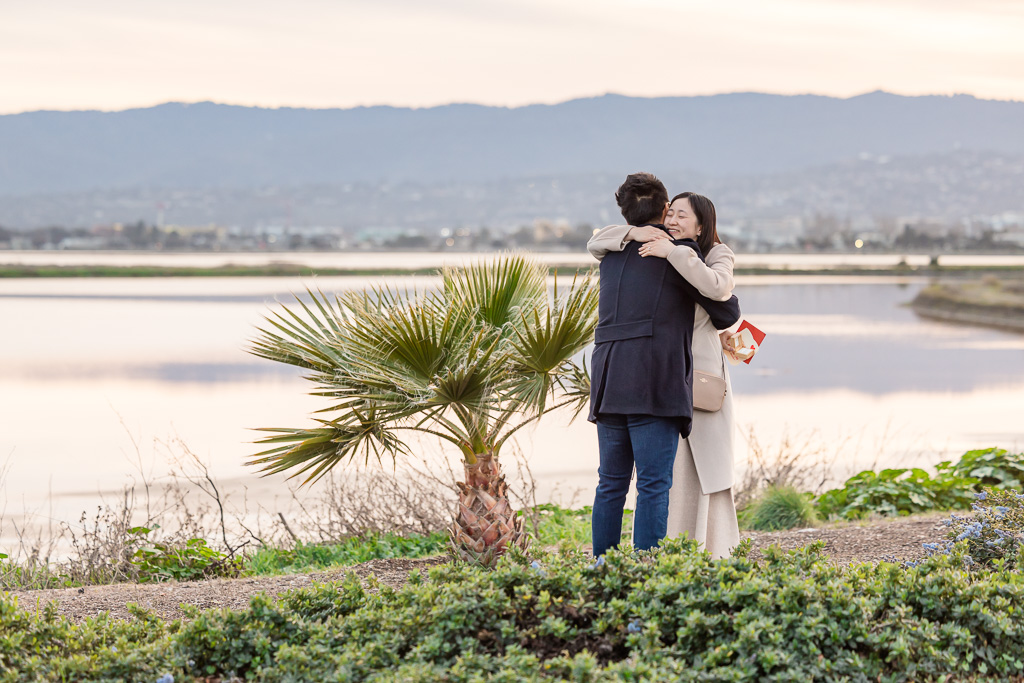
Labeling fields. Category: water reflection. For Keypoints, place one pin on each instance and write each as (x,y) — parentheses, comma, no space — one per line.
(844,359)
(196,373)
(865,338)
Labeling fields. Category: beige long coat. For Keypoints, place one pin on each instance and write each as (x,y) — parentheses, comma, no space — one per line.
(711,438)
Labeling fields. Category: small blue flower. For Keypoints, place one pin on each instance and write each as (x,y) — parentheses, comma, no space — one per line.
(634,626)
(166,678)
(1001,510)
(981,495)
(598,563)
(535,565)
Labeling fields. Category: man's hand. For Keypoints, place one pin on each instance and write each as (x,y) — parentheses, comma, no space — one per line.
(659,248)
(646,234)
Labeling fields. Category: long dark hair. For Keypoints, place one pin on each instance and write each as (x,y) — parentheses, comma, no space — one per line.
(704,211)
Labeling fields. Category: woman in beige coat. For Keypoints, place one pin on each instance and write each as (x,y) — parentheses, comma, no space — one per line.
(701,501)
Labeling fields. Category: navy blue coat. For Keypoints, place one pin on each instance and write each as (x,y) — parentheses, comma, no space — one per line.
(643,360)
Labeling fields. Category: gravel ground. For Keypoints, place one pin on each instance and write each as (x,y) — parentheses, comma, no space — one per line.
(864,541)
(844,543)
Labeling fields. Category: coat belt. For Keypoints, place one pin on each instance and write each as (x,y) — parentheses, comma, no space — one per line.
(618,331)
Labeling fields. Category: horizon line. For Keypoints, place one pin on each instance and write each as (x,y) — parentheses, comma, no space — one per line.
(877,91)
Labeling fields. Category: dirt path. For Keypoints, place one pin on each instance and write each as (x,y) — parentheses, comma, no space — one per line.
(844,543)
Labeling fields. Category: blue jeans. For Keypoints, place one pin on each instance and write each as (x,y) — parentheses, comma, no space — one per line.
(649,443)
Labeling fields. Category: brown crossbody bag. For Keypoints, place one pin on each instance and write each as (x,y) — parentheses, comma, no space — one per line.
(708,391)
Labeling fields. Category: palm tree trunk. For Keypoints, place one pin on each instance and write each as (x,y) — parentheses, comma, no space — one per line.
(485,524)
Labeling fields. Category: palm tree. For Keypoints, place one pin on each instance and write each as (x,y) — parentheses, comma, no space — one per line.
(470,363)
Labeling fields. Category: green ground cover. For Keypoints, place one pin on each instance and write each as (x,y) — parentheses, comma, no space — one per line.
(670,614)
(305,557)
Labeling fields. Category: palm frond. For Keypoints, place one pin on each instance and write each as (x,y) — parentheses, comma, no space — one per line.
(460,363)
(549,337)
(305,341)
(317,450)
(574,382)
(496,290)
(414,339)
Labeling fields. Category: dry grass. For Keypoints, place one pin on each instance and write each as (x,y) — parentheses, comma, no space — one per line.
(189,502)
(805,463)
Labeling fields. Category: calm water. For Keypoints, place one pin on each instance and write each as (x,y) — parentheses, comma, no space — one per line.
(88,365)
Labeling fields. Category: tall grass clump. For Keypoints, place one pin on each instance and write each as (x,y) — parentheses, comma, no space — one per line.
(779,507)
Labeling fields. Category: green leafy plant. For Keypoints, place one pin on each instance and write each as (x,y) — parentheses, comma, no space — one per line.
(469,363)
(992,467)
(779,507)
(906,491)
(897,491)
(155,562)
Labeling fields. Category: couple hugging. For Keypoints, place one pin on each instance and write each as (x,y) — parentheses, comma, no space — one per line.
(666,309)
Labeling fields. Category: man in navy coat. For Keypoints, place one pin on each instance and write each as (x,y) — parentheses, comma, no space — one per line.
(641,393)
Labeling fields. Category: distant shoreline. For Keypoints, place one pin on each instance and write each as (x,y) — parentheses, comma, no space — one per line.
(14,271)
(989,302)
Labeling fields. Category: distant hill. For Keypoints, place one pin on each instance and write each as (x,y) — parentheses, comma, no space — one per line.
(947,188)
(210,145)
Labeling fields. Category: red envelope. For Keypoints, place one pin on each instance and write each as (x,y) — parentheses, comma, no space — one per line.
(757,334)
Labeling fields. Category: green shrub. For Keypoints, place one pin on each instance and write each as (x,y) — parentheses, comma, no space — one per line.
(42,645)
(189,562)
(994,467)
(779,507)
(671,614)
(894,492)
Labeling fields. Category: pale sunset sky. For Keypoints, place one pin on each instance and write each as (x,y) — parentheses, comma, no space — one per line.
(118,54)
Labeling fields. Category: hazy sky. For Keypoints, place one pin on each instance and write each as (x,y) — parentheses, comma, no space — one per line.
(116,54)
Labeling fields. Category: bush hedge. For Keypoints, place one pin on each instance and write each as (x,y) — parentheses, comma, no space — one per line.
(671,614)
